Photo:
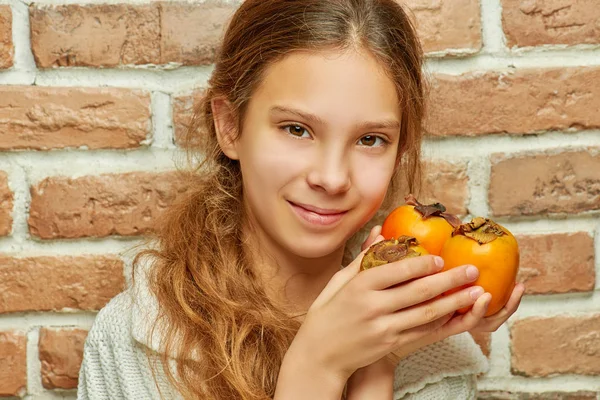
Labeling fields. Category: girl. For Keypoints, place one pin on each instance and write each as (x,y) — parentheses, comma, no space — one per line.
(312,111)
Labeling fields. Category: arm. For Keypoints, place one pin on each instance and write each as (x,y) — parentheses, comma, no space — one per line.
(301,377)
(375,382)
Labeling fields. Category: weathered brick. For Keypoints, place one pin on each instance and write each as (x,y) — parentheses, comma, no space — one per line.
(580,395)
(110,204)
(516,102)
(183,111)
(556,345)
(442,182)
(61,353)
(447,25)
(95,35)
(110,35)
(191,33)
(557,263)
(6,45)
(6,205)
(446,183)
(47,283)
(535,23)
(484,340)
(40,118)
(567,182)
(13,363)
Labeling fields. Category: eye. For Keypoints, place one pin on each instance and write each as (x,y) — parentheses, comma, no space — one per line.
(296,130)
(372,141)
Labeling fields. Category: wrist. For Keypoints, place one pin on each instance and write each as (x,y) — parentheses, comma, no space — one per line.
(375,381)
(301,377)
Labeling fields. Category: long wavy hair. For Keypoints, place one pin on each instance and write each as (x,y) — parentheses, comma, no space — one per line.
(201,273)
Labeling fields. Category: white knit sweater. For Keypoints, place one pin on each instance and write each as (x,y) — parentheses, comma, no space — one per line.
(115,365)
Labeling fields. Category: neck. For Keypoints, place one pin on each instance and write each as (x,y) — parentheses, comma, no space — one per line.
(289,279)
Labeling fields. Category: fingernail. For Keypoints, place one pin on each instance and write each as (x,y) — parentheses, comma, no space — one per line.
(472,273)
(476,292)
(439,262)
(379,237)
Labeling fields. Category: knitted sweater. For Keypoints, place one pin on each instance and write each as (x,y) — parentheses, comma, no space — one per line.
(115,363)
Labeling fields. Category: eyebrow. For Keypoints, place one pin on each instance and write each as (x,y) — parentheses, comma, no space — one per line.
(385,124)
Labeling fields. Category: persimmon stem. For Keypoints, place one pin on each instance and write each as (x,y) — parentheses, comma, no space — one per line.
(483,230)
(432,210)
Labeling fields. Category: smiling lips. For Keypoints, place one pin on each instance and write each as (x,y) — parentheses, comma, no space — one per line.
(316,215)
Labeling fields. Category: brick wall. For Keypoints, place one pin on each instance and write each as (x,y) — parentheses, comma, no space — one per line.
(93,97)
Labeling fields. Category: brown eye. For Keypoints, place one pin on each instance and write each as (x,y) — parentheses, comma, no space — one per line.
(369,140)
(296,130)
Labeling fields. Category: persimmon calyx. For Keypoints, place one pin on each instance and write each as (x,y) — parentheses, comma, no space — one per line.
(483,230)
(432,210)
(388,251)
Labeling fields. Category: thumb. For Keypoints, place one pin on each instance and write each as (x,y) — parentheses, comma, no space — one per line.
(342,277)
(375,231)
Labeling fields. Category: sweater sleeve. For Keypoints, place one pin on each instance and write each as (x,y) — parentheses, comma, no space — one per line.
(443,370)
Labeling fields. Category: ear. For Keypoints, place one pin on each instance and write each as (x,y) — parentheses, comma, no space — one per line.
(225,126)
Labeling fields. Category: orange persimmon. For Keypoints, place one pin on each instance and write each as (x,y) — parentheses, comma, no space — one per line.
(493,250)
(391,250)
(430,224)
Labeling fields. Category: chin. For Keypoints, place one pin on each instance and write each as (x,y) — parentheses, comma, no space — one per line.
(315,247)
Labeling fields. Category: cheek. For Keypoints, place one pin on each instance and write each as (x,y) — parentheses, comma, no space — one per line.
(273,164)
(373,179)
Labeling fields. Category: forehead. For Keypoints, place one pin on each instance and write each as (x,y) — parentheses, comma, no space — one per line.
(338,86)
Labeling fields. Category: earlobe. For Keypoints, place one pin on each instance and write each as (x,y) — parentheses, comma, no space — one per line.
(225,127)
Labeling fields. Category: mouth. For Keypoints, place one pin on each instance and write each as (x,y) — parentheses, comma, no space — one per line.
(316,215)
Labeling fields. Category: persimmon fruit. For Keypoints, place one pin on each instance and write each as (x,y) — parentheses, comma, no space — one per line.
(391,250)
(493,250)
(430,224)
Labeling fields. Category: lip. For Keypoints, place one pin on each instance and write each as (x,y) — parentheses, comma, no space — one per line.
(316,215)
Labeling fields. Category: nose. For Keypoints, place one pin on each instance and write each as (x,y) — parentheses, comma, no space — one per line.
(330,172)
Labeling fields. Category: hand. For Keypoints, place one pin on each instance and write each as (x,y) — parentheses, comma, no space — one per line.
(493,322)
(360,318)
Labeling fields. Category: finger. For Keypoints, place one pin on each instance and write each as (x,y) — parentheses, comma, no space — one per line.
(391,274)
(375,231)
(411,337)
(341,278)
(469,320)
(430,311)
(493,322)
(428,287)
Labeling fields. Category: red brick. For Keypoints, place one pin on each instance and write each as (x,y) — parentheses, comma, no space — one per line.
(446,183)
(110,35)
(40,118)
(110,204)
(6,45)
(191,33)
(13,363)
(95,35)
(515,102)
(52,283)
(567,182)
(557,263)
(183,111)
(442,182)
(61,353)
(447,24)
(556,345)
(581,395)
(6,205)
(535,23)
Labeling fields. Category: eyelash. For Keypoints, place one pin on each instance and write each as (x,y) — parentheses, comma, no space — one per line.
(284,128)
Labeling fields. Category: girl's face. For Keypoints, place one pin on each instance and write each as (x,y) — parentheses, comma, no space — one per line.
(318,149)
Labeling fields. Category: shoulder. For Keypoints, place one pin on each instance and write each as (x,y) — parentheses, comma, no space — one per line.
(113,320)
